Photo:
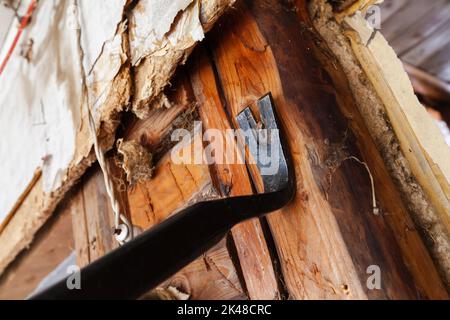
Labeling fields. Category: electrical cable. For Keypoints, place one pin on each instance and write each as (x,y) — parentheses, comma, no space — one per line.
(23,23)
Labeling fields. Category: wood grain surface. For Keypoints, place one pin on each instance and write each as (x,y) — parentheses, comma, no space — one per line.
(322,244)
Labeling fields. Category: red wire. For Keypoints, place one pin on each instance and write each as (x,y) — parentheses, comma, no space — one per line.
(23,24)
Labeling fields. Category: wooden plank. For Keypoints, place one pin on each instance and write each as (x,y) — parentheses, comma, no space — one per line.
(233,180)
(438,64)
(174,186)
(53,244)
(406,25)
(171,188)
(247,71)
(407,16)
(389,8)
(99,216)
(415,254)
(443,72)
(212,277)
(429,46)
(423,28)
(79,226)
(329,236)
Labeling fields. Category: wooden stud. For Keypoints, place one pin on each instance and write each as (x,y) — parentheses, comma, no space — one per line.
(233,180)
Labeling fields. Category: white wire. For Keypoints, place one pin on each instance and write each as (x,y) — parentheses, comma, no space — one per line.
(123,231)
(120,237)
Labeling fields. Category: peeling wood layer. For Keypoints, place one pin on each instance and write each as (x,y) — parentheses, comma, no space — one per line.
(113,85)
(151,69)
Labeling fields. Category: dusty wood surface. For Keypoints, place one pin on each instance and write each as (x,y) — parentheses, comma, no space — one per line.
(173,187)
(54,243)
(233,180)
(211,277)
(92,219)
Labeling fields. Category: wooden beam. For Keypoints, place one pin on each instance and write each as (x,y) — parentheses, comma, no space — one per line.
(99,216)
(328,237)
(233,180)
(80,227)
